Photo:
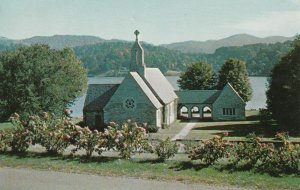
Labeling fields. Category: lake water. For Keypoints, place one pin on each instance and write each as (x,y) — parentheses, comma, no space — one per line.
(258,84)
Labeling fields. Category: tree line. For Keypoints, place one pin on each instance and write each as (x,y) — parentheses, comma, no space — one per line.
(200,76)
(113,58)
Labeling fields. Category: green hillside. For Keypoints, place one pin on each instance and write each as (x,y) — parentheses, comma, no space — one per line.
(112,58)
(210,46)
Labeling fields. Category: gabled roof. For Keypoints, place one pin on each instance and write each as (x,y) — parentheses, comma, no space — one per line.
(98,96)
(229,87)
(198,96)
(146,89)
(160,85)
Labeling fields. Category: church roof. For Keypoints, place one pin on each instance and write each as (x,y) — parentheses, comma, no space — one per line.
(146,89)
(228,87)
(160,85)
(98,96)
(198,96)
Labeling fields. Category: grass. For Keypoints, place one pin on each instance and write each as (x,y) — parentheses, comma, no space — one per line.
(5,125)
(237,130)
(149,168)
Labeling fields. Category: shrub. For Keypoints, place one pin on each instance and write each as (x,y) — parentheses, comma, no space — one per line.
(151,128)
(166,149)
(55,134)
(127,138)
(283,160)
(89,140)
(21,136)
(249,152)
(265,117)
(209,151)
(283,136)
(4,140)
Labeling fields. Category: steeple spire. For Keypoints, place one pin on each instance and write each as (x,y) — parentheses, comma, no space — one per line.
(136,32)
(137,56)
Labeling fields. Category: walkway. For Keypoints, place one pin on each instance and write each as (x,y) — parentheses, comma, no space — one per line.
(185,131)
(23,179)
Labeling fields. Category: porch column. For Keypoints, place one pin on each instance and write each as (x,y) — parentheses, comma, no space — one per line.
(189,113)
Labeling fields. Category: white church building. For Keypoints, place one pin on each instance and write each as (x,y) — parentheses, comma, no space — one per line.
(144,96)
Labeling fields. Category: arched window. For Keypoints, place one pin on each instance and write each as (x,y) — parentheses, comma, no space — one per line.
(195,112)
(206,113)
(183,112)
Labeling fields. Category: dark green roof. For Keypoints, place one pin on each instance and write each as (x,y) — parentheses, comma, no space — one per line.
(197,96)
(98,96)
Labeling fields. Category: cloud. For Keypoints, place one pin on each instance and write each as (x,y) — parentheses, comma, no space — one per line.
(272,23)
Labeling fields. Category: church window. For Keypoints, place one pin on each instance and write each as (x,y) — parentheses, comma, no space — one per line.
(228,111)
(129,104)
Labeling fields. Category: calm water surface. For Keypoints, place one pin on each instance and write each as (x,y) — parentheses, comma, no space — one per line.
(258,84)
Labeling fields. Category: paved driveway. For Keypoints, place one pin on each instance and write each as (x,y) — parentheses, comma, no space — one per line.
(27,179)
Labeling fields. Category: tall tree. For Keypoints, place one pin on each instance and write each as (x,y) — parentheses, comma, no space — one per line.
(283,96)
(198,76)
(234,72)
(37,78)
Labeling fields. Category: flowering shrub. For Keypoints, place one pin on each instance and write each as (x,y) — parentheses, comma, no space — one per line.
(283,136)
(283,160)
(4,140)
(209,151)
(55,134)
(127,138)
(250,151)
(166,149)
(50,131)
(20,136)
(89,140)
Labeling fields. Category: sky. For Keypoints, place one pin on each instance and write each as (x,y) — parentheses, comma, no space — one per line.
(159,21)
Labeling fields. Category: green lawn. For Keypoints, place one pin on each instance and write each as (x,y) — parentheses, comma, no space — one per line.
(237,130)
(5,125)
(149,168)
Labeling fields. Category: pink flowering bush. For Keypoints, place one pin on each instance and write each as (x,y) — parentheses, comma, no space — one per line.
(55,134)
(128,138)
(283,136)
(283,160)
(209,151)
(20,137)
(4,140)
(50,131)
(265,157)
(89,141)
(249,152)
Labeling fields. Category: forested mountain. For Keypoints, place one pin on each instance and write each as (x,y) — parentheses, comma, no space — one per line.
(112,58)
(259,58)
(7,44)
(210,46)
(62,41)
(56,41)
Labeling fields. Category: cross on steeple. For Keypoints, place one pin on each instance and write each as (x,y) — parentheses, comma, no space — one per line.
(136,32)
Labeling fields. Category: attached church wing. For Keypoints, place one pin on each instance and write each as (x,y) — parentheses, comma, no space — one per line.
(160,85)
(98,96)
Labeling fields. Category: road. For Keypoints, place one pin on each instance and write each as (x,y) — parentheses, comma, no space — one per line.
(27,179)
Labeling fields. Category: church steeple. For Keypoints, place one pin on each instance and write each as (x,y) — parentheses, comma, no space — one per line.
(137,56)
